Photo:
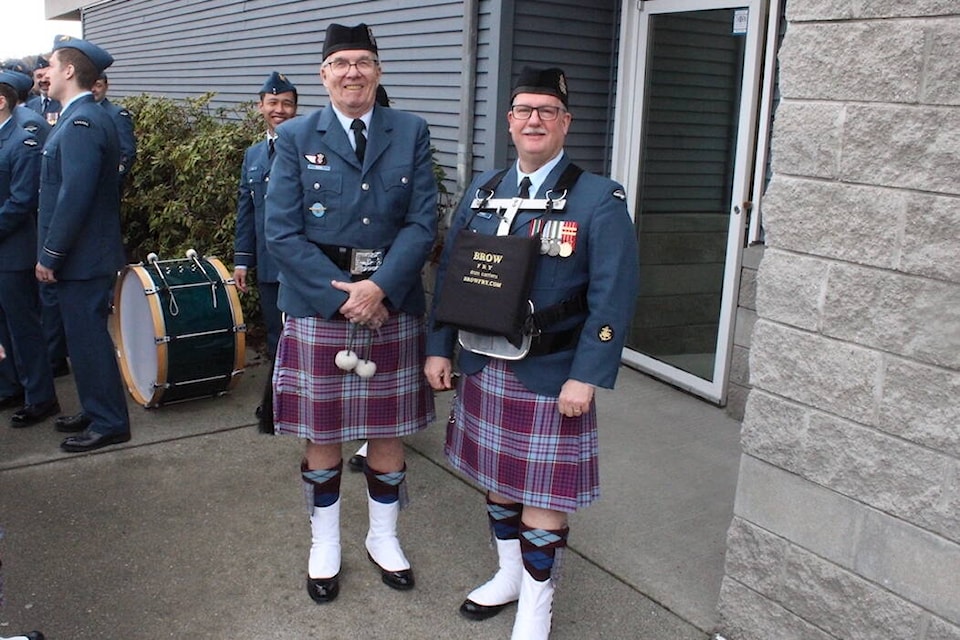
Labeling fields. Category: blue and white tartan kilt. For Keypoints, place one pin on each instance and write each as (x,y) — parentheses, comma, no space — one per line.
(516,443)
(314,399)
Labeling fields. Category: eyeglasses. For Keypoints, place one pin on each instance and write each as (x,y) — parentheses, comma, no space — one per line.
(523,112)
(341,67)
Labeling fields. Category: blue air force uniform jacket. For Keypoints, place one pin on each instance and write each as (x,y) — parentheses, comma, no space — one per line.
(250,243)
(123,120)
(32,122)
(320,195)
(35,103)
(19,176)
(604,262)
(79,221)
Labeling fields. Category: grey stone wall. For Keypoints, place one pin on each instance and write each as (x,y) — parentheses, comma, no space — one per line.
(847,516)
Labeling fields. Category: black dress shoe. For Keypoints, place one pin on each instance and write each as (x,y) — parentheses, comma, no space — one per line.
(9,402)
(323,590)
(34,413)
(90,440)
(33,635)
(400,580)
(473,611)
(60,368)
(71,424)
(356,462)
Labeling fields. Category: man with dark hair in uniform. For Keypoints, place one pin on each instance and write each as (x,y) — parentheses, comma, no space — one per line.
(123,119)
(525,429)
(278,103)
(80,246)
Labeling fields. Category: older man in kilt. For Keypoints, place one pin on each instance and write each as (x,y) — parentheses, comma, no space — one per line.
(350,218)
(526,429)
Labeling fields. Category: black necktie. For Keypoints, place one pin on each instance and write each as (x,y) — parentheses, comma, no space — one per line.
(44,104)
(270,143)
(524,187)
(358,127)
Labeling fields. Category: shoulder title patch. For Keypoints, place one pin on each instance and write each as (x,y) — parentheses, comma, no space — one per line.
(605,333)
(80,123)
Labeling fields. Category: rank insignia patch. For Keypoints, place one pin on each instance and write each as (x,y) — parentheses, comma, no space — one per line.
(605,333)
(620,195)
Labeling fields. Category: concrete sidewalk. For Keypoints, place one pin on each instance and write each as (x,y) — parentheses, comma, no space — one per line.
(197,529)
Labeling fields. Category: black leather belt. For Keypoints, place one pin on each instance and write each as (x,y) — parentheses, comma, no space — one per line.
(547,343)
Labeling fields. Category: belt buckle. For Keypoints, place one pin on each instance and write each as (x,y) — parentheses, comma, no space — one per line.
(365,261)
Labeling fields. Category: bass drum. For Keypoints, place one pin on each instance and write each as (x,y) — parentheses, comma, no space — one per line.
(179,329)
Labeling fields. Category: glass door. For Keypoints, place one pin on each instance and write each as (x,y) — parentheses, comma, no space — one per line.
(686,129)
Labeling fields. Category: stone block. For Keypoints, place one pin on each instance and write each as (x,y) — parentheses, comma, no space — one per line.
(736,400)
(844,604)
(833,220)
(914,563)
(806,139)
(774,430)
(941,73)
(928,247)
(904,8)
(807,10)
(830,375)
(790,288)
(919,403)
(747,615)
(743,328)
(876,61)
(796,509)
(905,315)
(755,557)
(902,146)
(942,630)
(890,474)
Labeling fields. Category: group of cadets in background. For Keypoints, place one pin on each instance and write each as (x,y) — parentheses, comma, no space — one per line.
(31,323)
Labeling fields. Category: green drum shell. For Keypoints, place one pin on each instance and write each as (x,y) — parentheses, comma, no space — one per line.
(198,331)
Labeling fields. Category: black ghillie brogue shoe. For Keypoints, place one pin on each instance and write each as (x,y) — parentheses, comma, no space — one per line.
(400,580)
(473,611)
(323,590)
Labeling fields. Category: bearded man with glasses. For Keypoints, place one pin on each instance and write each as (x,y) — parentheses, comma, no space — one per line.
(525,428)
(351,215)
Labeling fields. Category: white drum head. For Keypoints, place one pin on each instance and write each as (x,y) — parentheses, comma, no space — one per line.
(137,333)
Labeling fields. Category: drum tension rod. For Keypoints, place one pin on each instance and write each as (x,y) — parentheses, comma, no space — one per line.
(192,254)
(153,259)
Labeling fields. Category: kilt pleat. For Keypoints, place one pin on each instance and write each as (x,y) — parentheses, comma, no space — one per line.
(515,443)
(314,399)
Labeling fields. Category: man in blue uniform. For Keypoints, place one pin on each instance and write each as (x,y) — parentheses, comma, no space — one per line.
(350,218)
(19,300)
(80,246)
(123,119)
(525,429)
(31,121)
(278,103)
(43,103)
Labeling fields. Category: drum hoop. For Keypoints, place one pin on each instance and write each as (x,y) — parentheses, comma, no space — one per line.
(159,330)
(239,333)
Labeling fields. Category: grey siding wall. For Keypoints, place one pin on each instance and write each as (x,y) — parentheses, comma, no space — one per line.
(846,522)
(185,49)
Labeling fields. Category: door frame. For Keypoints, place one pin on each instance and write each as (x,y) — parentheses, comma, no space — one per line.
(628,134)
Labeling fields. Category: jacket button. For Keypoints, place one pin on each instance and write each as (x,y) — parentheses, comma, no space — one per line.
(365,186)
(404,180)
(316,185)
(365,221)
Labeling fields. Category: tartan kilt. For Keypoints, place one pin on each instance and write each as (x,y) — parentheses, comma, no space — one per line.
(514,442)
(314,399)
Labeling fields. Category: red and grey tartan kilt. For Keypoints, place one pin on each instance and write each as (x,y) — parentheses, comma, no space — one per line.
(314,399)
(515,443)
